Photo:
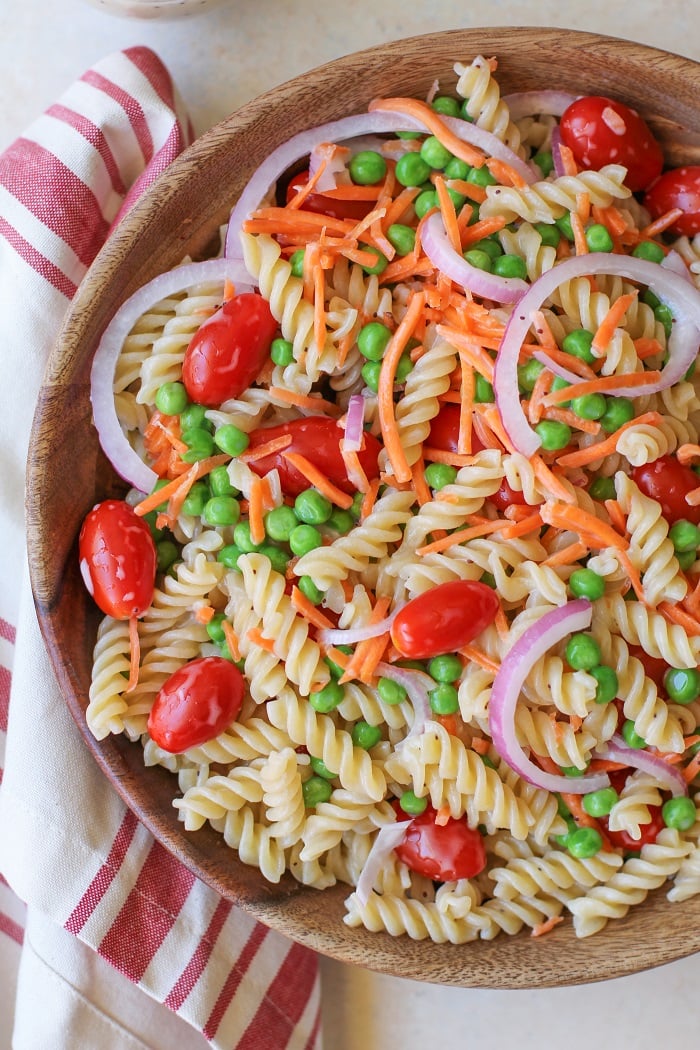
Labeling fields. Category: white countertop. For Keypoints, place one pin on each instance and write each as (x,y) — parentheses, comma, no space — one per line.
(220,59)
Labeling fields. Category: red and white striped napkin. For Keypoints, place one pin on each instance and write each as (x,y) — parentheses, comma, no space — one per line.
(110,914)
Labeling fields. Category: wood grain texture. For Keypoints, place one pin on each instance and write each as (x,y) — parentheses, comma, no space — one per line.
(67,472)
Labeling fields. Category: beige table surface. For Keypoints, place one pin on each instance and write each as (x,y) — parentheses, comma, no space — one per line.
(220,59)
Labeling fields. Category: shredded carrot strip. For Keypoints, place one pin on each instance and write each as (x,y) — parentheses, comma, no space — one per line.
(319,481)
(299,197)
(504,173)
(482,228)
(269,448)
(471,347)
(647,347)
(442,816)
(480,745)
(399,205)
(412,107)
(385,392)
(573,364)
(580,242)
(467,189)
(255,510)
(600,385)
(368,652)
(565,415)
(583,206)
(611,218)
(229,290)
(231,639)
(567,555)
(604,448)
(177,489)
(592,531)
(547,926)
(420,485)
(448,722)
(549,480)
(460,536)
(449,215)
(674,614)
(660,224)
(501,623)
(616,515)
(692,769)
(356,474)
(471,652)
(256,636)
(203,613)
(340,658)
(567,160)
(522,528)
(612,319)
(466,407)
(308,610)
(542,386)
(134,654)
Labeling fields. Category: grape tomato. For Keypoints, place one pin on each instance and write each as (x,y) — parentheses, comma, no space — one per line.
(668,482)
(322,204)
(117,558)
(678,188)
(443,619)
(444,430)
(197,702)
(444,852)
(600,131)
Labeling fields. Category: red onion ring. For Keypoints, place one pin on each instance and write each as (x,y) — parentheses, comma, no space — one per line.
(443,256)
(350,635)
(557,161)
(532,644)
(354,420)
(680,295)
(555,367)
(114,443)
(535,103)
(668,776)
(386,840)
(675,262)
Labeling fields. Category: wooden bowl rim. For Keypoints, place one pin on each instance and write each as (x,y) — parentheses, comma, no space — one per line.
(507,962)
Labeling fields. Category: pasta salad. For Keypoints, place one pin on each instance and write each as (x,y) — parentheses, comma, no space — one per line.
(405,592)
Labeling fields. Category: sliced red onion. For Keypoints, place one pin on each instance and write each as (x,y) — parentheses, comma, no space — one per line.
(538,103)
(114,443)
(335,172)
(350,635)
(354,421)
(555,367)
(533,644)
(681,296)
(417,685)
(669,777)
(385,841)
(443,256)
(675,262)
(557,161)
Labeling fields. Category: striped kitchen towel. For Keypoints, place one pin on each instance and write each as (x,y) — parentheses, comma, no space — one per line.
(92,877)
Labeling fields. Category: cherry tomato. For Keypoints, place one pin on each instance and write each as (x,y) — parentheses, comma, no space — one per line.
(679,188)
(668,482)
(441,851)
(318,439)
(654,667)
(198,701)
(600,131)
(226,354)
(323,205)
(443,619)
(117,559)
(506,496)
(444,430)
(649,831)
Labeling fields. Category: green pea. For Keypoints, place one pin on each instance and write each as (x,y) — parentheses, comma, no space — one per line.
(456,169)
(341,521)
(438,475)
(282,352)
(434,153)
(402,238)
(229,556)
(618,412)
(481,260)
(571,826)
(458,199)
(280,522)
(510,266)
(167,553)
(162,507)
(585,583)
(561,384)
(356,509)
(391,692)
(584,842)
(380,265)
(553,434)
(481,177)
(370,373)
(296,261)
(277,557)
(489,245)
(304,538)
(445,668)
(679,813)
(649,250)
(365,736)
(682,684)
(412,170)
(631,736)
(151,518)
(373,339)
(528,374)
(200,444)
(404,367)
(413,805)
(545,162)
(489,579)
(464,111)
(243,539)
(476,212)
(220,482)
(590,406)
(444,699)
(215,628)
(231,439)
(663,314)
(309,589)
(686,559)
(221,510)
(446,105)
(367,167)
(321,769)
(582,652)
(335,669)
(608,685)
(684,535)
(598,238)
(328,698)
(602,489)
(312,507)
(193,417)
(564,225)
(599,803)
(424,202)
(316,790)
(196,499)
(572,771)
(171,399)
(408,134)
(549,233)
(483,391)
(488,761)
(578,344)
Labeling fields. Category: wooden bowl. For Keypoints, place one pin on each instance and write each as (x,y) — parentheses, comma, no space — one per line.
(67,472)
